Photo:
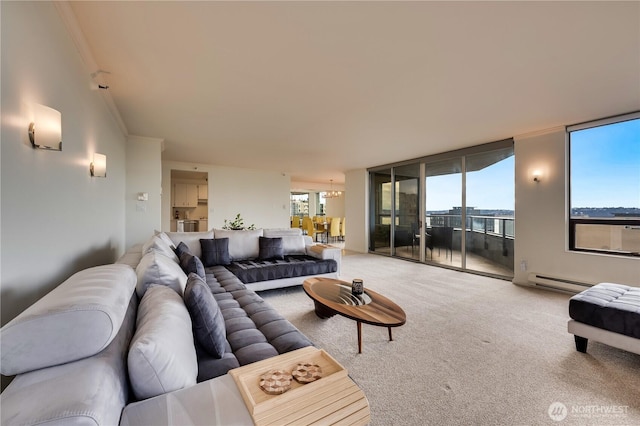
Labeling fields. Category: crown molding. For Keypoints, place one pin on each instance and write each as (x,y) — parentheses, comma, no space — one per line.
(71,23)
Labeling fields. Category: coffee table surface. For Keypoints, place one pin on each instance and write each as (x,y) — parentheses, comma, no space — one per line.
(370,308)
(339,292)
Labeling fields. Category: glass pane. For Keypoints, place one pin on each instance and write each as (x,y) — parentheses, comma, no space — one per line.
(623,239)
(605,171)
(380,217)
(406,230)
(321,204)
(490,204)
(443,212)
(605,188)
(299,204)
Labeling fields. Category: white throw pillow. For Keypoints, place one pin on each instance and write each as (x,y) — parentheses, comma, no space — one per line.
(162,356)
(293,245)
(191,239)
(242,244)
(165,238)
(156,268)
(157,243)
(77,319)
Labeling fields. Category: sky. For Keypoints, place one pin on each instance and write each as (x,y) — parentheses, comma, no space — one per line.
(605,166)
(489,188)
(605,172)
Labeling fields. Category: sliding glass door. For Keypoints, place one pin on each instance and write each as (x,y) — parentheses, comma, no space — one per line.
(443,212)
(466,203)
(406,232)
(490,203)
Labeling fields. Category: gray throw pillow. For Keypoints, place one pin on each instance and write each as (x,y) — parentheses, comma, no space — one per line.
(271,248)
(215,251)
(190,263)
(207,320)
(181,248)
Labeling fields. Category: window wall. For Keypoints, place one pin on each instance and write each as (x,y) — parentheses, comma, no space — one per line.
(604,214)
(453,209)
(299,204)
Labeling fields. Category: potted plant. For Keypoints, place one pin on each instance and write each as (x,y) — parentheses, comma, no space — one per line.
(237,224)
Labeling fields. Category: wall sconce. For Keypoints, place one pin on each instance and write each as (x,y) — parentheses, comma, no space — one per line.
(98,167)
(45,132)
(537,176)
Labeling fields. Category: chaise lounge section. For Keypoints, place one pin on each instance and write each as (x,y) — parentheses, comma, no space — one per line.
(608,313)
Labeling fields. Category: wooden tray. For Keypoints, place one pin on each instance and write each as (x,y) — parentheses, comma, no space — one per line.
(257,401)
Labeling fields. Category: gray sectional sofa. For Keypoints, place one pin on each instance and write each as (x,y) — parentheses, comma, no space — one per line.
(153,323)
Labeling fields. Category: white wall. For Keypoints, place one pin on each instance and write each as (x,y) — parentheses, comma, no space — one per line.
(541,233)
(55,218)
(261,197)
(357,210)
(144,174)
(335,207)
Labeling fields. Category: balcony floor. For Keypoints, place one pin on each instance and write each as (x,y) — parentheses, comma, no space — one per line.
(442,257)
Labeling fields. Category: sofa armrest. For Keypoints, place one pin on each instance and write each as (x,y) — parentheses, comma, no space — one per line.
(323,251)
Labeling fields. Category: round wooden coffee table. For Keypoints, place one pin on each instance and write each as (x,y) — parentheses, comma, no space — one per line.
(332,297)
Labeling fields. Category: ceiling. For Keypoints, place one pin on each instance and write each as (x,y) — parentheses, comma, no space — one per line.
(315,89)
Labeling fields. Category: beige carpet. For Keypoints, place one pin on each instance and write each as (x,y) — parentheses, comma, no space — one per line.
(474,351)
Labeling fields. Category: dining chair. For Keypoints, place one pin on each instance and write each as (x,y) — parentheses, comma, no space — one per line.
(342,228)
(334,230)
(295,221)
(307,225)
(319,222)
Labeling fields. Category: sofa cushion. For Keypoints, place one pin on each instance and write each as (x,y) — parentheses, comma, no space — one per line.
(191,264)
(90,391)
(270,248)
(77,319)
(132,256)
(162,356)
(156,268)
(251,271)
(157,243)
(242,244)
(165,238)
(281,232)
(210,366)
(215,252)
(191,239)
(208,323)
(293,244)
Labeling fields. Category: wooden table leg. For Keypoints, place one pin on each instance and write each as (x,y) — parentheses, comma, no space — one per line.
(359,337)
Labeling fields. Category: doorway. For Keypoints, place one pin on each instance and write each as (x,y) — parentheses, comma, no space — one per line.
(189,201)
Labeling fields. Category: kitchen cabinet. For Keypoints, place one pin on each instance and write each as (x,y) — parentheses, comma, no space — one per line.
(185,195)
(203,192)
(202,225)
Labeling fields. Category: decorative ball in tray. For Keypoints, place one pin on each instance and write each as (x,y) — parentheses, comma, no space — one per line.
(306,372)
(275,382)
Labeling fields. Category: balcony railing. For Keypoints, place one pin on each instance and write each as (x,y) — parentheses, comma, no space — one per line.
(503,226)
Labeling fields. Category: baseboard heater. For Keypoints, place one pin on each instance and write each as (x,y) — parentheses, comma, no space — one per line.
(557,283)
